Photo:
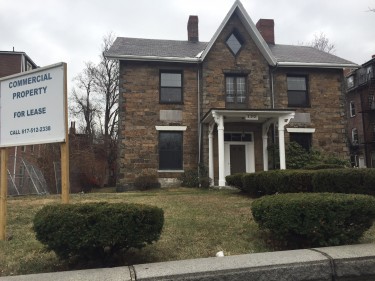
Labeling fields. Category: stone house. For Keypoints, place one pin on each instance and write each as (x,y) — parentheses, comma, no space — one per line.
(361,115)
(222,102)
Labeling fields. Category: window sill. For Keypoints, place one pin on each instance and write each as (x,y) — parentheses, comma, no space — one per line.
(299,106)
(170,171)
(166,102)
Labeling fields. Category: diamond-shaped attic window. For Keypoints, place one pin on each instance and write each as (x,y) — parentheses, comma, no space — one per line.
(234,44)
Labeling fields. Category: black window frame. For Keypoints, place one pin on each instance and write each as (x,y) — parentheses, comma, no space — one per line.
(166,165)
(161,100)
(291,92)
(235,103)
(239,38)
(303,139)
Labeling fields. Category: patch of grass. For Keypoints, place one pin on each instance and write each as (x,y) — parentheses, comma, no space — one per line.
(198,223)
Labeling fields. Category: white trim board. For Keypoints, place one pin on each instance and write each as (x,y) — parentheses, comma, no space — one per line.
(300,130)
(170,128)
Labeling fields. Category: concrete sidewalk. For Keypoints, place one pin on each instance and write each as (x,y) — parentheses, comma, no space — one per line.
(349,263)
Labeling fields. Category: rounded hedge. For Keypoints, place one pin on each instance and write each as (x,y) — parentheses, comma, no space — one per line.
(315,219)
(97,231)
(359,181)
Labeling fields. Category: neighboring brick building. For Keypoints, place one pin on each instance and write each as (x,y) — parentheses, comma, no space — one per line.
(221,103)
(13,62)
(361,115)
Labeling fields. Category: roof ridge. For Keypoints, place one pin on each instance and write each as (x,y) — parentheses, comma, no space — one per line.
(169,40)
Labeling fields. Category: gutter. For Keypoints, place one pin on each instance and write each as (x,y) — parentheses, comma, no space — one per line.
(153,58)
(317,65)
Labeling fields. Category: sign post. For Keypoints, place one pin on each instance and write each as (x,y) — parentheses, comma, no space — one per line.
(3,193)
(33,110)
(64,150)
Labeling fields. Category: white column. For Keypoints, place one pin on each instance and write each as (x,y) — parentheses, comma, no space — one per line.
(211,153)
(220,136)
(283,121)
(282,145)
(265,128)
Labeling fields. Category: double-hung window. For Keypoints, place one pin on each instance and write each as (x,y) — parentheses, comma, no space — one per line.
(297,91)
(352,109)
(235,89)
(355,139)
(170,150)
(171,87)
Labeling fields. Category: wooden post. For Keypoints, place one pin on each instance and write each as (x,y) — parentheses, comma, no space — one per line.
(65,179)
(3,193)
(65,186)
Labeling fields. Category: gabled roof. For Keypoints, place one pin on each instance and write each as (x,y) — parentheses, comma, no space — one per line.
(249,26)
(194,52)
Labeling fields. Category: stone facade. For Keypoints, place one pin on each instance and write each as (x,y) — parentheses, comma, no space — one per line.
(204,89)
(327,108)
(249,62)
(141,111)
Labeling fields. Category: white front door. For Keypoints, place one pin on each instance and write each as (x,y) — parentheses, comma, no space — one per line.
(234,161)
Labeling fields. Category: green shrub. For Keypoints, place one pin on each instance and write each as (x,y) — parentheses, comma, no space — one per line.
(298,158)
(252,185)
(148,181)
(196,177)
(277,181)
(315,219)
(234,180)
(324,167)
(359,181)
(97,231)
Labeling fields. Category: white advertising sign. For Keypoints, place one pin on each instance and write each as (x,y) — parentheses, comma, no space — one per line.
(32,107)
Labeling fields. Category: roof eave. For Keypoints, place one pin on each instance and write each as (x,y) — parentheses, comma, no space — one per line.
(153,58)
(317,65)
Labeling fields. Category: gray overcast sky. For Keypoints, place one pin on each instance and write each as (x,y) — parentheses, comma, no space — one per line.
(72,30)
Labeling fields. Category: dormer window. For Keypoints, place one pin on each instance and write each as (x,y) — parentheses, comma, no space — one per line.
(234,43)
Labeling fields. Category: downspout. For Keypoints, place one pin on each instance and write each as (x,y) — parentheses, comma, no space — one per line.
(198,116)
(273,107)
(272,87)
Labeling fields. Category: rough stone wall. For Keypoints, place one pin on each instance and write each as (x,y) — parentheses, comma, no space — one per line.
(219,61)
(249,60)
(327,107)
(140,113)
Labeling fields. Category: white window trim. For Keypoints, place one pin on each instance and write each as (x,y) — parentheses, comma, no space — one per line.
(301,130)
(170,128)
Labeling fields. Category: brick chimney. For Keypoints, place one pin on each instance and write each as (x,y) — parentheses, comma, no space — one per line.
(192,28)
(266,29)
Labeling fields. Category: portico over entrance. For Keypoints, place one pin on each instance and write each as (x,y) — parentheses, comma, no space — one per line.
(238,139)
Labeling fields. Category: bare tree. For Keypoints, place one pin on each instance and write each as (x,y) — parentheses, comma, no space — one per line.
(95,101)
(106,82)
(83,104)
(321,42)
